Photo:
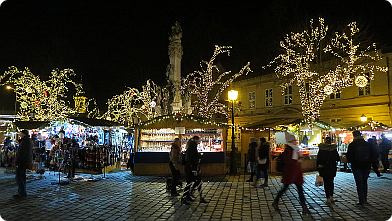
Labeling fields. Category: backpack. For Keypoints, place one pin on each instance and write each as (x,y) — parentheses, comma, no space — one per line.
(363,152)
(279,163)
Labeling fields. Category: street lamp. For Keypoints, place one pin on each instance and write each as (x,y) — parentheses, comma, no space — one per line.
(233,94)
(11,88)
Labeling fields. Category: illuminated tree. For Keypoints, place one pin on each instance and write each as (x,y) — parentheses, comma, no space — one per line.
(41,100)
(319,65)
(132,104)
(209,88)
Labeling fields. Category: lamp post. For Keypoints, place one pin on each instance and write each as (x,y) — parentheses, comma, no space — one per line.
(363,118)
(233,94)
(11,88)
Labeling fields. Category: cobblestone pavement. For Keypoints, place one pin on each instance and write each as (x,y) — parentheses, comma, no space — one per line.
(127,197)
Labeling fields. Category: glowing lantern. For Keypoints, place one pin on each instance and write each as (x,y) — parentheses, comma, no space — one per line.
(361,81)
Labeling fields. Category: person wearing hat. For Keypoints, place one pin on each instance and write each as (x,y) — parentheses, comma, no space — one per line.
(24,155)
(292,172)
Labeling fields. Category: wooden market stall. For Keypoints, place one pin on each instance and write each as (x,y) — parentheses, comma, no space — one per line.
(153,142)
(92,145)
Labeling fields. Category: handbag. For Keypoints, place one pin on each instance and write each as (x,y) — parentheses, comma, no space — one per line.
(319,180)
(262,161)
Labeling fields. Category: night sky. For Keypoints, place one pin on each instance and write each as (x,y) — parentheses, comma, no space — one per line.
(121,44)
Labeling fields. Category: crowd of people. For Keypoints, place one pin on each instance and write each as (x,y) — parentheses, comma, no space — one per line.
(361,154)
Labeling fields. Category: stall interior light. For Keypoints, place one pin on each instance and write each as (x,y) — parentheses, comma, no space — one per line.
(363,118)
(388,135)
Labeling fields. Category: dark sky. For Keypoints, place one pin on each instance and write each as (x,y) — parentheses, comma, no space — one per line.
(121,44)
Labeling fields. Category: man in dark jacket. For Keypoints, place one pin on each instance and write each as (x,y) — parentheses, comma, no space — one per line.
(23,161)
(385,146)
(192,171)
(360,154)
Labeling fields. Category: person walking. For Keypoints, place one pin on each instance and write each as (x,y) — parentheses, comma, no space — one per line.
(385,146)
(375,162)
(24,155)
(192,172)
(252,162)
(292,172)
(262,162)
(327,159)
(359,155)
(175,164)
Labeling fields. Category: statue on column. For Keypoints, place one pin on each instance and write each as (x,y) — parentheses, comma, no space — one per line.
(174,68)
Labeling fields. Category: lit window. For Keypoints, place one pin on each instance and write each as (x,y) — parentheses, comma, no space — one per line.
(268,97)
(334,95)
(252,99)
(288,95)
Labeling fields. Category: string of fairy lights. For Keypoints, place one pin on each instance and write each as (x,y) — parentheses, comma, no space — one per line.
(207,90)
(132,104)
(303,64)
(41,100)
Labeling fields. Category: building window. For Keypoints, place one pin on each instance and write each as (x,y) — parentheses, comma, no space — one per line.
(335,120)
(335,95)
(365,90)
(252,99)
(288,95)
(268,97)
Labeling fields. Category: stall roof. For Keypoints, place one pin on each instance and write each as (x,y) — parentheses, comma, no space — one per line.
(30,125)
(96,122)
(188,121)
(371,126)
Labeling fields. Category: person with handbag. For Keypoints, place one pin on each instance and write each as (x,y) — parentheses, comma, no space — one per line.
(175,164)
(262,162)
(327,159)
(292,172)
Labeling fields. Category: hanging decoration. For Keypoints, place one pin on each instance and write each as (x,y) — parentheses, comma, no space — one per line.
(361,81)
(309,61)
(209,88)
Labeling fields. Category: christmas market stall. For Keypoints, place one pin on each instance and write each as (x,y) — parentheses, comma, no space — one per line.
(368,130)
(79,145)
(153,142)
(308,137)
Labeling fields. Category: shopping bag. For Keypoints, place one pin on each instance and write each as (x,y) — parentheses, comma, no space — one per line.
(319,180)
(249,167)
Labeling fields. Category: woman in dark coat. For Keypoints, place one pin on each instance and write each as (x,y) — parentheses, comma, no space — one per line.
(252,162)
(263,161)
(327,158)
(292,172)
